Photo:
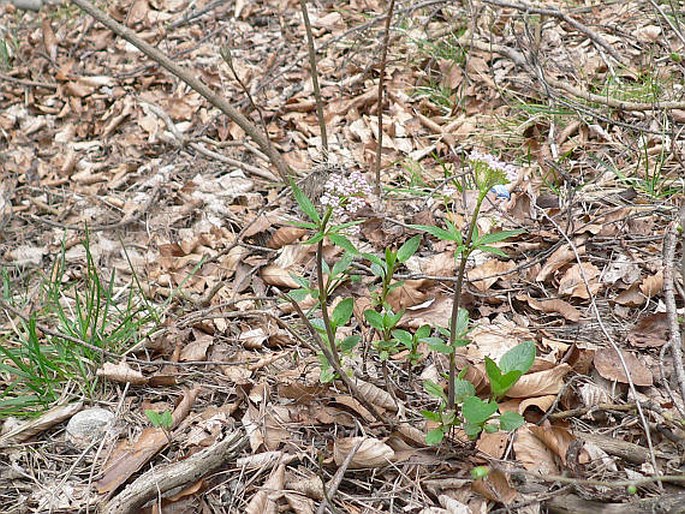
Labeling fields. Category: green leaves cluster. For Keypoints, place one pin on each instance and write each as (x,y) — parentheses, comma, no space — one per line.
(473,414)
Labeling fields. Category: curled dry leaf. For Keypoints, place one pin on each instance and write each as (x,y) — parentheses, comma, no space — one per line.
(560,258)
(652,285)
(553,306)
(533,453)
(377,396)
(542,383)
(557,439)
(285,236)
(372,453)
(121,373)
(264,502)
(608,365)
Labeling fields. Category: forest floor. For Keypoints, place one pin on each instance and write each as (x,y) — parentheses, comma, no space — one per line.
(149,360)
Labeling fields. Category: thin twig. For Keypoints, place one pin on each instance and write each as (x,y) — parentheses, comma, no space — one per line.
(315,78)
(675,342)
(332,487)
(609,338)
(381,92)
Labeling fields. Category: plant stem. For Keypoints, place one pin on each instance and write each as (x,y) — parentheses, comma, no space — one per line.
(456,304)
(323,300)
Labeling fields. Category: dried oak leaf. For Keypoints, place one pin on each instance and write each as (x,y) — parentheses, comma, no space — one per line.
(608,365)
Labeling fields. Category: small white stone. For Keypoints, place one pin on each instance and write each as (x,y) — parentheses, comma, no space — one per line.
(88,425)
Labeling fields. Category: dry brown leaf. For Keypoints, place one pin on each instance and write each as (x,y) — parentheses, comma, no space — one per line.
(121,373)
(197,350)
(264,502)
(48,419)
(608,365)
(533,454)
(557,439)
(572,283)
(560,258)
(542,383)
(285,236)
(407,295)
(495,487)
(377,396)
(650,332)
(494,444)
(541,402)
(652,285)
(481,277)
(553,306)
(372,453)
(631,297)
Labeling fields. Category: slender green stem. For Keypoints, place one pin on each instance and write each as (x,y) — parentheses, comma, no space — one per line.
(323,300)
(456,304)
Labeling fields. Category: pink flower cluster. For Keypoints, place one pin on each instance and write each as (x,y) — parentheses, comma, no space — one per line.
(345,195)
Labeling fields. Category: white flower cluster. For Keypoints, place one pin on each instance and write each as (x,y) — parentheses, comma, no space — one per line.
(494,164)
(345,195)
(493,167)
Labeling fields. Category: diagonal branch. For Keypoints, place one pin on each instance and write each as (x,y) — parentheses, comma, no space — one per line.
(195,83)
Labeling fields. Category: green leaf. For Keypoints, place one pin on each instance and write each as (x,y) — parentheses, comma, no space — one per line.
(343,264)
(373,259)
(403,337)
(391,320)
(348,344)
(305,203)
(342,312)
(472,430)
(438,345)
(462,390)
(493,250)
(374,319)
(304,224)
(438,232)
(496,237)
(500,382)
(423,331)
(510,420)
(343,242)
(431,416)
(462,322)
(477,411)
(435,436)
(314,239)
(435,390)
(408,249)
(520,357)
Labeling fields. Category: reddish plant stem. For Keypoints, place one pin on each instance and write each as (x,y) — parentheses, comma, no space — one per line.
(456,304)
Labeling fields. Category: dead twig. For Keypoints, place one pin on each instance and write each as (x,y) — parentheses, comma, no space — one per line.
(195,83)
(610,339)
(675,343)
(334,483)
(161,480)
(381,92)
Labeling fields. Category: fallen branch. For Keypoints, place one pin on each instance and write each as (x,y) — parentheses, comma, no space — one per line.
(196,84)
(160,480)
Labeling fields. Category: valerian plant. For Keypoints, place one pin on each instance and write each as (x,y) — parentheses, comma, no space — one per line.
(487,174)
